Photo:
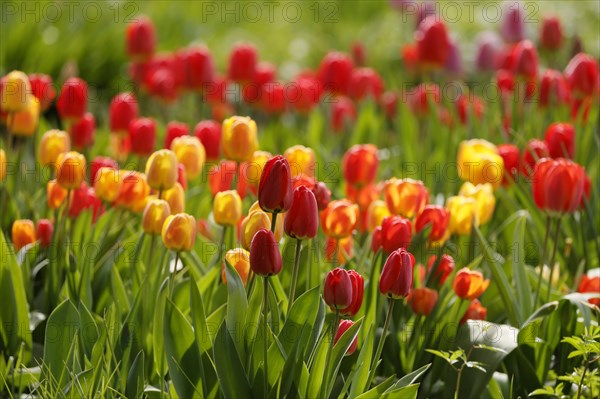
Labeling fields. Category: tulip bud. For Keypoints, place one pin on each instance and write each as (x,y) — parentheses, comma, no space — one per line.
(199,68)
(358,288)
(2,165)
(209,133)
(239,259)
(322,194)
(24,123)
(342,328)
(179,232)
(301,160)
(175,197)
(161,170)
(360,164)
(23,233)
(422,300)
(339,219)
(433,43)
(42,89)
(84,198)
(475,311)
(582,75)
(438,219)
(55,194)
(242,63)
(239,138)
(53,143)
(16,92)
(189,152)
(485,202)
(335,72)
(337,290)
(265,259)
(560,139)
(397,275)
(72,100)
(142,134)
(376,240)
(343,113)
(302,219)
(155,214)
(43,232)
(70,169)
(140,39)
(558,185)
(406,197)
(525,61)
(534,151)
(255,221)
(513,24)
(511,158)
(100,162)
(273,98)
(479,162)
(488,49)
(181,176)
(175,129)
(551,35)
(133,191)
(220,178)
(365,83)
(227,208)
(82,131)
(107,184)
(275,187)
(469,284)
(444,268)
(123,110)
(304,93)
(463,214)
(553,89)
(396,233)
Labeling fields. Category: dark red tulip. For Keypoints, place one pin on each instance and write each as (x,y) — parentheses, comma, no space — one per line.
(475,311)
(551,35)
(43,232)
(433,43)
(322,194)
(265,259)
(209,133)
(101,162)
(358,289)
(175,129)
(396,232)
(242,63)
(83,131)
(489,46)
(397,275)
(342,328)
(422,300)
(272,98)
(365,83)
(275,187)
(343,113)
(582,75)
(553,89)
(302,219)
(72,101)
(445,267)
(376,240)
(560,138)
(337,289)
(42,89)
(335,72)
(534,150)
(142,134)
(304,93)
(198,67)
(438,218)
(123,109)
(558,185)
(140,39)
(513,23)
(525,63)
(510,155)
(360,164)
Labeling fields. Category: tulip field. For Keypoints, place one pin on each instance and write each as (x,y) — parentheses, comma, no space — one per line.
(366,199)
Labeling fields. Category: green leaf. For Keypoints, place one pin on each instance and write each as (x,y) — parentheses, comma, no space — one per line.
(232,378)
(520,278)
(135,378)
(378,391)
(237,306)
(203,340)
(360,378)
(407,392)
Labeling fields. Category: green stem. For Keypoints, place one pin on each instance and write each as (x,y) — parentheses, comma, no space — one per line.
(266,332)
(221,244)
(581,381)
(334,327)
(294,275)
(173,275)
(386,324)
(274,221)
(553,258)
(458,383)
(543,259)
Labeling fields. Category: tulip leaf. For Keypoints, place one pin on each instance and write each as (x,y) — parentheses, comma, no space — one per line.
(378,391)
(520,278)
(157,331)
(361,375)
(407,392)
(237,306)
(232,378)
(339,351)
(135,378)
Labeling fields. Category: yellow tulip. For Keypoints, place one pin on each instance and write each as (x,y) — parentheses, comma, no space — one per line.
(23,233)
(463,213)
(55,194)
(239,138)
(253,169)
(376,212)
(161,170)
(16,94)
(2,165)
(227,208)
(175,196)
(278,223)
(179,232)
(301,159)
(190,153)
(107,184)
(53,143)
(24,122)
(155,214)
(479,162)
(70,169)
(255,221)
(239,259)
(483,194)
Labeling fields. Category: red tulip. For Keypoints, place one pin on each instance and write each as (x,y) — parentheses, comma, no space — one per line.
(43,232)
(335,72)
(181,176)
(220,178)
(82,132)
(358,53)
(397,275)
(551,35)
(343,113)
(160,82)
(123,109)
(433,43)
(469,284)
(337,289)
(389,102)
(302,219)
(444,268)
(422,300)
(505,81)
(142,133)
(475,311)
(590,284)
(358,289)
(488,49)
(410,57)
(84,198)
(525,64)
(42,89)
(534,150)
(553,89)
(510,155)
(101,162)
(360,164)
(304,93)
(558,185)
(438,218)
(275,187)
(198,67)
(265,73)
(469,108)
(365,83)
(582,75)
(175,129)
(140,39)
(72,101)
(560,138)
(242,63)
(322,194)
(376,240)
(342,328)
(420,97)
(272,98)
(209,133)
(265,259)
(396,233)
(513,24)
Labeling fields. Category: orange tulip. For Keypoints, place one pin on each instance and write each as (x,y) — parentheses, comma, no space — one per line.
(301,159)
(422,300)
(179,232)
(239,259)
(2,165)
(23,233)
(55,194)
(107,184)
(70,169)
(175,196)
(133,191)
(54,142)
(339,219)
(255,221)
(161,170)
(239,138)
(406,197)
(155,214)
(24,122)
(469,284)
(190,153)
(345,250)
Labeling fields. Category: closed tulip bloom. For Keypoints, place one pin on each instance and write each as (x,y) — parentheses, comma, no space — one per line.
(339,219)
(489,46)
(485,202)
(53,143)
(175,197)
(82,132)
(43,232)
(511,157)
(301,160)
(551,35)
(438,219)
(335,72)
(553,89)
(179,232)
(55,194)
(140,39)
(181,176)
(339,250)
(343,113)
(590,284)
(376,213)
(209,133)
(242,63)
(525,62)
(251,171)
(444,269)
(239,259)
(360,164)
(42,89)
(479,162)
(175,129)
(406,197)
(189,152)
(533,151)
(302,219)
(304,93)
(72,100)
(469,284)
(365,83)
(423,300)
(23,233)
(558,185)
(582,75)
(560,139)
(133,191)
(265,258)
(322,194)
(161,170)
(142,134)
(513,24)
(396,232)
(275,187)
(463,214)
(155,214)
(239,138)
(475,311)
(227,208)
(397,275)
(220,178)
(2,165)
(107,184)
(337,289)
(16,92)
(84,198)
(256,220)
(342,328)
(100,162)
(70,169)
(123,109)
(376,239)
(278,223)
(433,43)
(24,122)
(199,68)
(358,288)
